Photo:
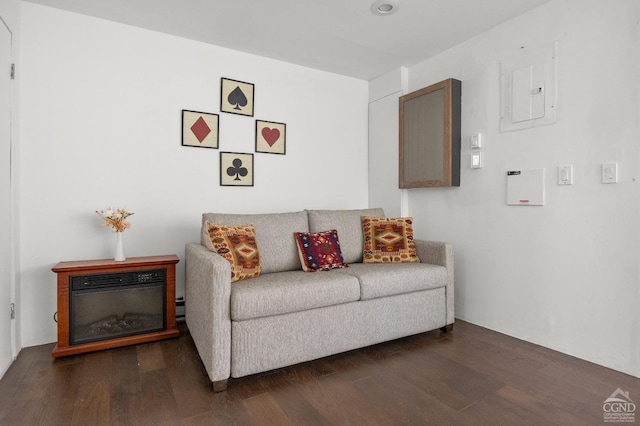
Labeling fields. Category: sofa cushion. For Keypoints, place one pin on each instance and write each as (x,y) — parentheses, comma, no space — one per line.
(291,291)
(388,240)
(319,251)
(388,279)
(349,226)
(237,244)
(274,233)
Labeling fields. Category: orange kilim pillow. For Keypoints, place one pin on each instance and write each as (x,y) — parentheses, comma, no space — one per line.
(237,244)
(388,240)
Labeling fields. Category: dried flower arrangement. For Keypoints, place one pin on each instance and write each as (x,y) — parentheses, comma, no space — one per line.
(115,219)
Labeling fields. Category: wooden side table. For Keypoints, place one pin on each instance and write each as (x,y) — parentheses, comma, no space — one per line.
(110,292)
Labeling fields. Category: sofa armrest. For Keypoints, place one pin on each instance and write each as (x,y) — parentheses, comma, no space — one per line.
(439,253)
(207,307)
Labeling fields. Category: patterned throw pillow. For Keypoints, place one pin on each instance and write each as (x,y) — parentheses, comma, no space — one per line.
(319,251)
(238,245)
(388,240)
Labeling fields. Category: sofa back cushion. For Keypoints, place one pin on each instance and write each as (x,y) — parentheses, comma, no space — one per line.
(348,223)
(274,234)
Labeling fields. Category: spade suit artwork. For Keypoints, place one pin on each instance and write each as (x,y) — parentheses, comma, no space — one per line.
(236,97)
(201,129)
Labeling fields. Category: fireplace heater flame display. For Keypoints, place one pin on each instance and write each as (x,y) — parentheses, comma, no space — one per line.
(106,306)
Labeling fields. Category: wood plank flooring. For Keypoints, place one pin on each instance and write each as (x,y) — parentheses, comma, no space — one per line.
(471,376)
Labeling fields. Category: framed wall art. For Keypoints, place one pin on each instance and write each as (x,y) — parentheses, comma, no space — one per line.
(236,97)
(236,169)
(200,129)
(271,137)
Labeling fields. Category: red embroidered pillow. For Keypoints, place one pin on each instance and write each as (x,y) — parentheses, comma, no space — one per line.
(388,240)
(319,251)
(238,245)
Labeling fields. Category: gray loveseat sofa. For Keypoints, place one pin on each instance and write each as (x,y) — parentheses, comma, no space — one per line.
(287,316)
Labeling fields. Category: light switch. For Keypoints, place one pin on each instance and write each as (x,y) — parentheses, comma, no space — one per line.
(476,160)
(475,141)
(610,173)
(565,174)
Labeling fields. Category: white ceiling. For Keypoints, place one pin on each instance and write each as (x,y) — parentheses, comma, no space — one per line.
(339,36)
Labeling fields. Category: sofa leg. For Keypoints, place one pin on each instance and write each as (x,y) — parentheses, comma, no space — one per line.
(447,328)
(220,385)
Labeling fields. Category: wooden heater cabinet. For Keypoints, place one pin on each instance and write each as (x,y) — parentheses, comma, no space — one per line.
(88,287)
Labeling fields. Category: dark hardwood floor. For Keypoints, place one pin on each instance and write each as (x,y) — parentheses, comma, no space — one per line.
(471,376)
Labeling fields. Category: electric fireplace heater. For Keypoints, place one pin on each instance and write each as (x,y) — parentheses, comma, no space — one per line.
(105,304)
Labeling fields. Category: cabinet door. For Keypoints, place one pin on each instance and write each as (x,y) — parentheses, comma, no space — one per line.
(430,136)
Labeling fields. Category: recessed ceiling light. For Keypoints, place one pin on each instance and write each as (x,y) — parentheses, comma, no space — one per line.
(385,7)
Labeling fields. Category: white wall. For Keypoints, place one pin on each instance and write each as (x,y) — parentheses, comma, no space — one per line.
(383,142)
(564,275)
(101,124)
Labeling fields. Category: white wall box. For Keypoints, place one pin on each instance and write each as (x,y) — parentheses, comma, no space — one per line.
(525,187)
(528,88)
